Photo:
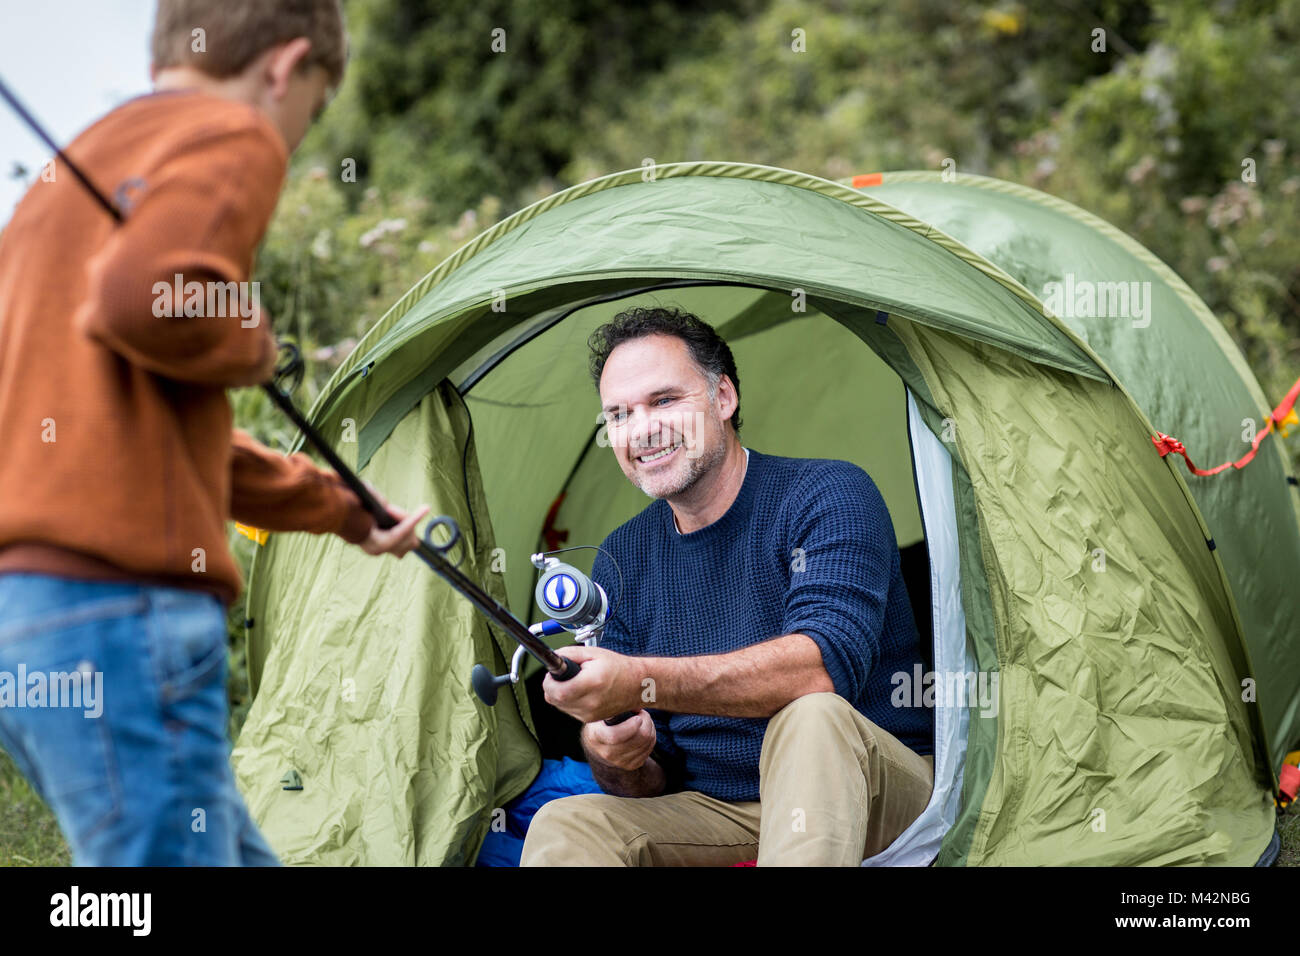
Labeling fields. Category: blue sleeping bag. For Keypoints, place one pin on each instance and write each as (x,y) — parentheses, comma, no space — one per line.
(558,778)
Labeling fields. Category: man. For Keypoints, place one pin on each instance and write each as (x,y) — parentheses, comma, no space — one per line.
(763,616)
(120,464)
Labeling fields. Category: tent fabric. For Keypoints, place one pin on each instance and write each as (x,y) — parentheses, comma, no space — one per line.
(982,642)
(794,238)
(367,692)
(486,249)
(1086,579)
(1118,688)
(919,844)
(1184,372)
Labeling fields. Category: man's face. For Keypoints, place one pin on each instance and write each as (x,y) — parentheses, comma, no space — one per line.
(665,430)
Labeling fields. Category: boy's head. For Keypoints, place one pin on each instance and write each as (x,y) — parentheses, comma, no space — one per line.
(282,56)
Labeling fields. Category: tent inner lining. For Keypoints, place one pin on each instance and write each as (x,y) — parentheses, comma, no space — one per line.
(810,388)
(919,844)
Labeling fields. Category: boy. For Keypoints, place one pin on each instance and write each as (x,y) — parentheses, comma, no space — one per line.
(120,465)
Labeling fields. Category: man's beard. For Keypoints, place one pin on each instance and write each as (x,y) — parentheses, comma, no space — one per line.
(685,479)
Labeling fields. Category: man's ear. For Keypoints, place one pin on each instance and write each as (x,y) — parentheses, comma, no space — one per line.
(281,62)
(727,400)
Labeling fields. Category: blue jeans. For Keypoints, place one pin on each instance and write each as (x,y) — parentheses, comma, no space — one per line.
(127,743)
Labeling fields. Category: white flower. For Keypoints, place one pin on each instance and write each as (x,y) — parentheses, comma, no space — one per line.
(384,227)
(320,246)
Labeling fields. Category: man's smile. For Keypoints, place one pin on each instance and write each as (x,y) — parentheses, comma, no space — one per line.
(659,455)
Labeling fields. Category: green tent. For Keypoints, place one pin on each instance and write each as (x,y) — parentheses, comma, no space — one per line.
(1113,637)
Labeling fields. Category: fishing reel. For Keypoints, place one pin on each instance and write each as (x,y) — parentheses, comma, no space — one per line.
(573,602)
(571,598)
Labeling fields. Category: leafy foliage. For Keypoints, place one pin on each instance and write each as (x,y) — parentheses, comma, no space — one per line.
(454,99)
(1149,130)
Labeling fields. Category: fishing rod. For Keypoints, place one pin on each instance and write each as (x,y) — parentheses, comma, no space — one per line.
(290,370)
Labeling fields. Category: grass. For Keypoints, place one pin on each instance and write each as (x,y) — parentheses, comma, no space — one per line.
(29,834)
(1289,827)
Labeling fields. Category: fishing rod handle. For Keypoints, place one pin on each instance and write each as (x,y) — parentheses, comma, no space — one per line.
(571,670)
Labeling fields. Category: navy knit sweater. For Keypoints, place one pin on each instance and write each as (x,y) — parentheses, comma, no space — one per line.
(807,547)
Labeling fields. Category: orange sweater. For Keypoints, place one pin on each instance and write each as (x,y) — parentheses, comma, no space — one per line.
(118,459)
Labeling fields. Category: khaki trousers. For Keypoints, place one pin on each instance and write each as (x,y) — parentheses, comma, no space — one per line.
(833,789)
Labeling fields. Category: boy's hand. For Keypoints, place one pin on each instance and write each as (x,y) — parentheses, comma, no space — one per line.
(400,538)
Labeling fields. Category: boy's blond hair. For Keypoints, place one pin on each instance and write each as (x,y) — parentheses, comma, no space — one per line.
(236,32)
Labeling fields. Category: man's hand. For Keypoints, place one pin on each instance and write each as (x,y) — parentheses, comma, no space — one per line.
(608,684)
(400,538)
(625,746)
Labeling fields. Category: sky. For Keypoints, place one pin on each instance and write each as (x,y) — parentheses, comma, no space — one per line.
(69,62)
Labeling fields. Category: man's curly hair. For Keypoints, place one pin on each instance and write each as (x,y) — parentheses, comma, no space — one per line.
(710,352)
